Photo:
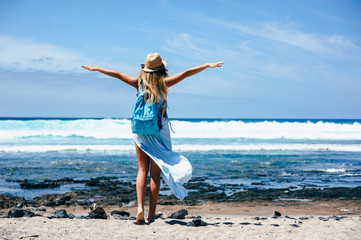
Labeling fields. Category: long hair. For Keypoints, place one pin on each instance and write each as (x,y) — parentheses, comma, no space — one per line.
(153,85)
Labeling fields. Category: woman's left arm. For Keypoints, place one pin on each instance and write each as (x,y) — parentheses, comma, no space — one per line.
(132,81)
(173,80)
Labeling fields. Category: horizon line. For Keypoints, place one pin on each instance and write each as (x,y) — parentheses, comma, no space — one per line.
(180,118)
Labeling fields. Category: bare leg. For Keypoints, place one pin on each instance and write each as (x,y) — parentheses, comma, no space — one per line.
(154,190)
(143,168)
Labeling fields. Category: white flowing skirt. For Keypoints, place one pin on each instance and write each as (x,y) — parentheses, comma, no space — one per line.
(176,169)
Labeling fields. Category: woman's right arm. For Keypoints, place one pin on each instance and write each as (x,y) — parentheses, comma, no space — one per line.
(132,81)
(190,72)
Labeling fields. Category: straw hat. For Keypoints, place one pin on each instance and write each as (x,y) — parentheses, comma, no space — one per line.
(154,63)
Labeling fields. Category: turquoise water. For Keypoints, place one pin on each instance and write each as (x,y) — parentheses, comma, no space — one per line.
(239,153)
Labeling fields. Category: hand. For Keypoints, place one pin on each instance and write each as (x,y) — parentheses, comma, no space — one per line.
(217,64)
(90,68)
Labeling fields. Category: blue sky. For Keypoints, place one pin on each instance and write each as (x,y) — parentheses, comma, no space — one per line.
(283,59)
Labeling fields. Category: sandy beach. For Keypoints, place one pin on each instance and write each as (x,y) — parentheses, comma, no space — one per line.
(330,213)
(220,227)
(335,219)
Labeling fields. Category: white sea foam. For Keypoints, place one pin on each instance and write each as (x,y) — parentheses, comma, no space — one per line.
(115,128)
(185,147)
(271,147)
(104,128)
(334,170)
(329,170)
(66,148)
(268,130)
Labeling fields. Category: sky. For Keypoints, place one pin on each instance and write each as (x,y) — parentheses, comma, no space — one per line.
(283,59)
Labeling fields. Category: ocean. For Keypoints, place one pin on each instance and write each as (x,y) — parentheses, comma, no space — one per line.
(237,153)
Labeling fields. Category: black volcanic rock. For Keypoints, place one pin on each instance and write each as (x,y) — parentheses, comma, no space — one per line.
(120,213)
(60,214)
(196,222)
(111,191)
(37,185)
(17,213)
(276,214)
(180,214)
(98,213)
(8,201)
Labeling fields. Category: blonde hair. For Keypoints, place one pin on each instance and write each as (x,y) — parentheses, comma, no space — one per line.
(153,85)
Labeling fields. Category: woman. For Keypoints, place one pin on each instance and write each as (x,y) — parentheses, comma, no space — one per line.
(155,151)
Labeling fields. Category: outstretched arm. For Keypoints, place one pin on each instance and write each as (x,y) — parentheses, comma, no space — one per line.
(132,81)
(190,72)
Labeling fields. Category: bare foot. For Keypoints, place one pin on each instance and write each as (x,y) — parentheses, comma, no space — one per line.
(140,219)
(150,219)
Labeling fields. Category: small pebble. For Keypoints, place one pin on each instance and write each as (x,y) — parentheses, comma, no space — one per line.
(277,214)
(159,215)
(228,223)
(245,223)
(294,225)
(190,224)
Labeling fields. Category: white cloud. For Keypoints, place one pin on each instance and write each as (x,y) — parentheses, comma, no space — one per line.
(291,36)
(185,44)
(341,41)
(25,54)
(199,49)
(316,43)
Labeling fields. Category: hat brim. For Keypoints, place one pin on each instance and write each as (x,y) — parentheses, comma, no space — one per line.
(145,69)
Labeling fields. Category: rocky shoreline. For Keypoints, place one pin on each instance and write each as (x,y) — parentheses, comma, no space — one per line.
(106,207)
(110,191)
